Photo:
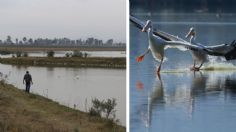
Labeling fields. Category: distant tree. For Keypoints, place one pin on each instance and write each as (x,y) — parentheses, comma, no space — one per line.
(24,40)
(9,41)
(50,53)
(77,53)
(20,42)
(17,40)
(25,54)
(109,42)
(30,41)
(18,54)
(68,55)
(85,55)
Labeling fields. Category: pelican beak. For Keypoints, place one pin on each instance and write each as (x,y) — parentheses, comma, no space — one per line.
(188,34)
(145,28)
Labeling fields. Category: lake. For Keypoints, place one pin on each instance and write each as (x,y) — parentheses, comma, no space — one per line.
(73,87)
(182,100)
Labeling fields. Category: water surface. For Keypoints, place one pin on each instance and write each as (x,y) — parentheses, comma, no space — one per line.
(181,100)
(73,87)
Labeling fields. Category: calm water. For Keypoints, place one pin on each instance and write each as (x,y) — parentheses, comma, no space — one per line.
(183,101)
(74,86)
(63,53)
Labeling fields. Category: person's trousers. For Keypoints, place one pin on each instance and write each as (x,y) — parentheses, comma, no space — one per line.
(27,87)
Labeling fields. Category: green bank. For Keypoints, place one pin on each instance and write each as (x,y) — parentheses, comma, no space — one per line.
(97,62)
(22,112)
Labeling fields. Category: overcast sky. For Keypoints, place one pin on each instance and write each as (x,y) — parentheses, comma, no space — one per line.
(103,19)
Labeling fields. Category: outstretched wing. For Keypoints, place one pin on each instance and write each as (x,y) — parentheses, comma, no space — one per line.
(226,50)
(167,37)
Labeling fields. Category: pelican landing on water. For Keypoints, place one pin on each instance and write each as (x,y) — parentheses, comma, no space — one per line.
(159,41)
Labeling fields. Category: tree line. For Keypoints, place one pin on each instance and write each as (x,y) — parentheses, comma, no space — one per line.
(60,42)
(218,6)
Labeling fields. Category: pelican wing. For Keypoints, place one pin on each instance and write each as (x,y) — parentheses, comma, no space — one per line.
(226,50)
(139,24)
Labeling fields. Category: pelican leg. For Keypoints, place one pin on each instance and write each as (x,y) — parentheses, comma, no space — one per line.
(194,66)
(200,66)
(159,68)
(141,57)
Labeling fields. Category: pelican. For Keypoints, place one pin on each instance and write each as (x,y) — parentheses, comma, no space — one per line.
(159,41)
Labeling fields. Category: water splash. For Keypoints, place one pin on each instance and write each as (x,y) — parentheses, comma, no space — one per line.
(222,66)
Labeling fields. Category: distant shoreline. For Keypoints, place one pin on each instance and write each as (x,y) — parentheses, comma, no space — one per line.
(58,48)
(92,62)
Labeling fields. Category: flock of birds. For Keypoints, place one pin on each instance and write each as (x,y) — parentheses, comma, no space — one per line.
(159,41)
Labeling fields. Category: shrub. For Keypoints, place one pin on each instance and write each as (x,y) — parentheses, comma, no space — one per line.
(50,53)
(25,54)
(106,108)
(77,53)
(85,55)
(109,107)
(18,54)
(96,109)
(68,55)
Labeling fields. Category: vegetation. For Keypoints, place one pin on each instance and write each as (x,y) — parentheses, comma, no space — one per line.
(67,62)
(18,54)
(22,112)
(5,52)
(25,54)
(8,49)
(103,107)
(77,53)
(50,53)
(68,55)
(91,42)
(186,6)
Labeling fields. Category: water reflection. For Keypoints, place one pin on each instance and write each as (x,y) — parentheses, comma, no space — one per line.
(184,93)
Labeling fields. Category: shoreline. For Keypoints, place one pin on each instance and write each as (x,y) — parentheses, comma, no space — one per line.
(30,112)
(91,62)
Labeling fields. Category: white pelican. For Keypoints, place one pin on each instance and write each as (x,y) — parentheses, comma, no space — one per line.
(159,41)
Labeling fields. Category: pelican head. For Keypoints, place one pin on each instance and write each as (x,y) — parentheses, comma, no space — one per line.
(191,33)
(147,26)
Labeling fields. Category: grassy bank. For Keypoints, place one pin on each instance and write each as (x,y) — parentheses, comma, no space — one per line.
(22,112)
(67,62)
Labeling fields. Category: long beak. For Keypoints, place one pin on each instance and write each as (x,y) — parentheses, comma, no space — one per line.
(188,34)
(144,28)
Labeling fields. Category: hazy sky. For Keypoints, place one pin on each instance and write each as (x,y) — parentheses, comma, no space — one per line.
(74,19)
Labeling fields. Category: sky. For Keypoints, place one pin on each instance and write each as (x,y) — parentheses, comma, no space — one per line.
(102,19)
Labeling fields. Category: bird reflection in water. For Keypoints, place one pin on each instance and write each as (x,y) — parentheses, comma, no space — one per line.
(196,85)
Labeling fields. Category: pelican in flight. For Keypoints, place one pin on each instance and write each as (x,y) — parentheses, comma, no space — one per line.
(159,41)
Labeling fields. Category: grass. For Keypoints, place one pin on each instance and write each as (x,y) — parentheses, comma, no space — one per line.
(22,112)
(67,62)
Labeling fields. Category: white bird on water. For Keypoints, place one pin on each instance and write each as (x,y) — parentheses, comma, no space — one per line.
(159,41)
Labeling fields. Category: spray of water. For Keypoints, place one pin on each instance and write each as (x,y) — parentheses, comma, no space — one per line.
(219,63)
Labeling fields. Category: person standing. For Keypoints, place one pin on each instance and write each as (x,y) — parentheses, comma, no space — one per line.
(27,80)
